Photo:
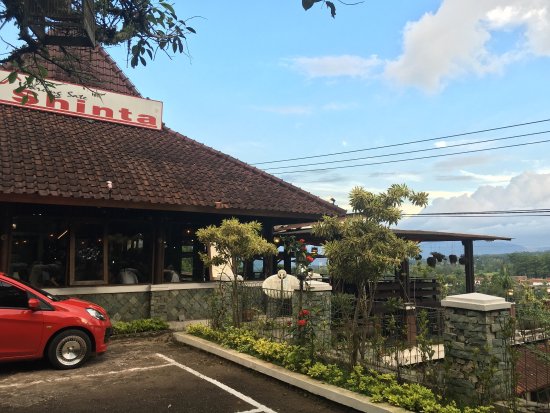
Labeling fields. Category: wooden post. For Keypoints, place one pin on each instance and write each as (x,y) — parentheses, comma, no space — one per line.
(469,265)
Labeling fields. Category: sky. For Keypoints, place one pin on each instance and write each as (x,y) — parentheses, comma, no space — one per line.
(277,87)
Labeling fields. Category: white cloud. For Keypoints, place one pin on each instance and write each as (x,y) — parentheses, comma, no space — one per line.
(335,66)
(525,191)
(454,41)
(487,178)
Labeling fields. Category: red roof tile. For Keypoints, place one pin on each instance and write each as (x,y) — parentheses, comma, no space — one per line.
(69,158)
(533,367)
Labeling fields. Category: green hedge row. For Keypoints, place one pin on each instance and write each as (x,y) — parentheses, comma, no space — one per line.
(139,326)
(380,387)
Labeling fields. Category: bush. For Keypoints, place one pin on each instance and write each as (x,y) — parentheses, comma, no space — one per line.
(380,387)
(139,326)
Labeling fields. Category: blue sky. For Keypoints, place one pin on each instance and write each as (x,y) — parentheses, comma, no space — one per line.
(268,81)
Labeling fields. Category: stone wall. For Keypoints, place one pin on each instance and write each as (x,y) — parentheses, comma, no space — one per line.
(122,306)
(181,305)
(167,302)
(475,343)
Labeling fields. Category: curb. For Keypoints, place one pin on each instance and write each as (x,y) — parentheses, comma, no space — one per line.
(328,391)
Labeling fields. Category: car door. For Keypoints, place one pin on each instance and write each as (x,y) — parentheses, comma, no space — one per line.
(21,329)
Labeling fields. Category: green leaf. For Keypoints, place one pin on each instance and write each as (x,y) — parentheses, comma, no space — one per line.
(43,71)
(191,29)
(25,99)
(12,77)
(332,8)
(307,4)
(143,61)
(168,7)
(134,61)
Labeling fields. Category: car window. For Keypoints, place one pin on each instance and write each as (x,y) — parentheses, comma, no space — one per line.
(12,297)
(46,293)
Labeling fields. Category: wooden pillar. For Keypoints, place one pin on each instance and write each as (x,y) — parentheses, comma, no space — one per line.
(159,234)
(270,262)
(5,238)
(469,265)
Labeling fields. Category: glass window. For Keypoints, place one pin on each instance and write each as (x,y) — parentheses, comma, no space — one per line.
(12,297)
(89,253)
(181,259)
(130,258)
(39,251)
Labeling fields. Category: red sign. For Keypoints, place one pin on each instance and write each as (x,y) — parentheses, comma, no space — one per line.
(76,100)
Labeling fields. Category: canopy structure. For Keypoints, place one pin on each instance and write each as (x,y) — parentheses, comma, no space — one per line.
(303,230)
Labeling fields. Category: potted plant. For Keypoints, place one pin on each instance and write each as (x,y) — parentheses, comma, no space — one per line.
(453,259)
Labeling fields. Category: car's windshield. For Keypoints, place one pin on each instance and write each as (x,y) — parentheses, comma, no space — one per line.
(52,297)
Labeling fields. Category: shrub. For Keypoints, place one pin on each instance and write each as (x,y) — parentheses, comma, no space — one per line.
(381,387)
(139,326)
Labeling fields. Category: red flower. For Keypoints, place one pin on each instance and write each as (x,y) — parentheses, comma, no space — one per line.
(301,241)
(309,258)
(303,313)
(301,323)
(289,323)
(303,248)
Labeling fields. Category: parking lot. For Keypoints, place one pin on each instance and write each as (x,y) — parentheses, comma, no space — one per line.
(150,374)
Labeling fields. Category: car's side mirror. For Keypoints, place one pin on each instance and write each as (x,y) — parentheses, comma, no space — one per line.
(34,304)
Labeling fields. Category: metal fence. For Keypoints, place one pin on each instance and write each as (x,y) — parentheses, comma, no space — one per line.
(405,339)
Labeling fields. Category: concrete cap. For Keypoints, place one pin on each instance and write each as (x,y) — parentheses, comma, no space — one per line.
(476,301)
(317,286)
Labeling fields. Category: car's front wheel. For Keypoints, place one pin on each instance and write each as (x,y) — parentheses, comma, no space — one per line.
(69,349)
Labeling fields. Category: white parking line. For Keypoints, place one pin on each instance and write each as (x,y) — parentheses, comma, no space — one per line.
(260,408)
(80,376)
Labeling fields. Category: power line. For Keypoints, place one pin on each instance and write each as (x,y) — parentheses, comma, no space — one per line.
(407,143)
(538,212)
(506,211)
(413,159)
(414,151)
(476,216)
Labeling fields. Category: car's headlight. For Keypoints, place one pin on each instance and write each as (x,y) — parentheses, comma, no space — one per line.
(95,314)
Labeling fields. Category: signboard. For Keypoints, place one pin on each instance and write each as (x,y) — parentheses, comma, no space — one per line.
(76,100)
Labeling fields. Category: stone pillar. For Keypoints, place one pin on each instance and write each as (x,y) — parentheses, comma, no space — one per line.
(159,304)
(475,347)
(317,299)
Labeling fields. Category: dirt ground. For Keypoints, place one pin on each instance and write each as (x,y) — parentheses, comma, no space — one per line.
(150,374)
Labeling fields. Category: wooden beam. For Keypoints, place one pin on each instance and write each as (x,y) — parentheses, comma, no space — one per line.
(469,265)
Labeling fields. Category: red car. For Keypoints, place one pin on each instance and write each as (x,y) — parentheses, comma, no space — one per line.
(36,324)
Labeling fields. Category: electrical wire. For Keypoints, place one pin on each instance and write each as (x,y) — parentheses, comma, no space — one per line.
(413,159)
(537,212)
(407,143)
(414,151)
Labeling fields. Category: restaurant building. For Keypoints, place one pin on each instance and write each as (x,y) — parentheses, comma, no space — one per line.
(99,199)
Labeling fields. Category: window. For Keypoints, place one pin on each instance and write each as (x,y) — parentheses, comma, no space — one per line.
(39,251)
(89,268)
(130,255)
(12,297)
(181,255)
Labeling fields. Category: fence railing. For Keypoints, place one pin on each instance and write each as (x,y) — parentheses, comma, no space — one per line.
(406,339)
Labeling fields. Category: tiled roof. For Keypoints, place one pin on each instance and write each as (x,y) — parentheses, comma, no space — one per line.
(91,67)
(63,159)
(533,367)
